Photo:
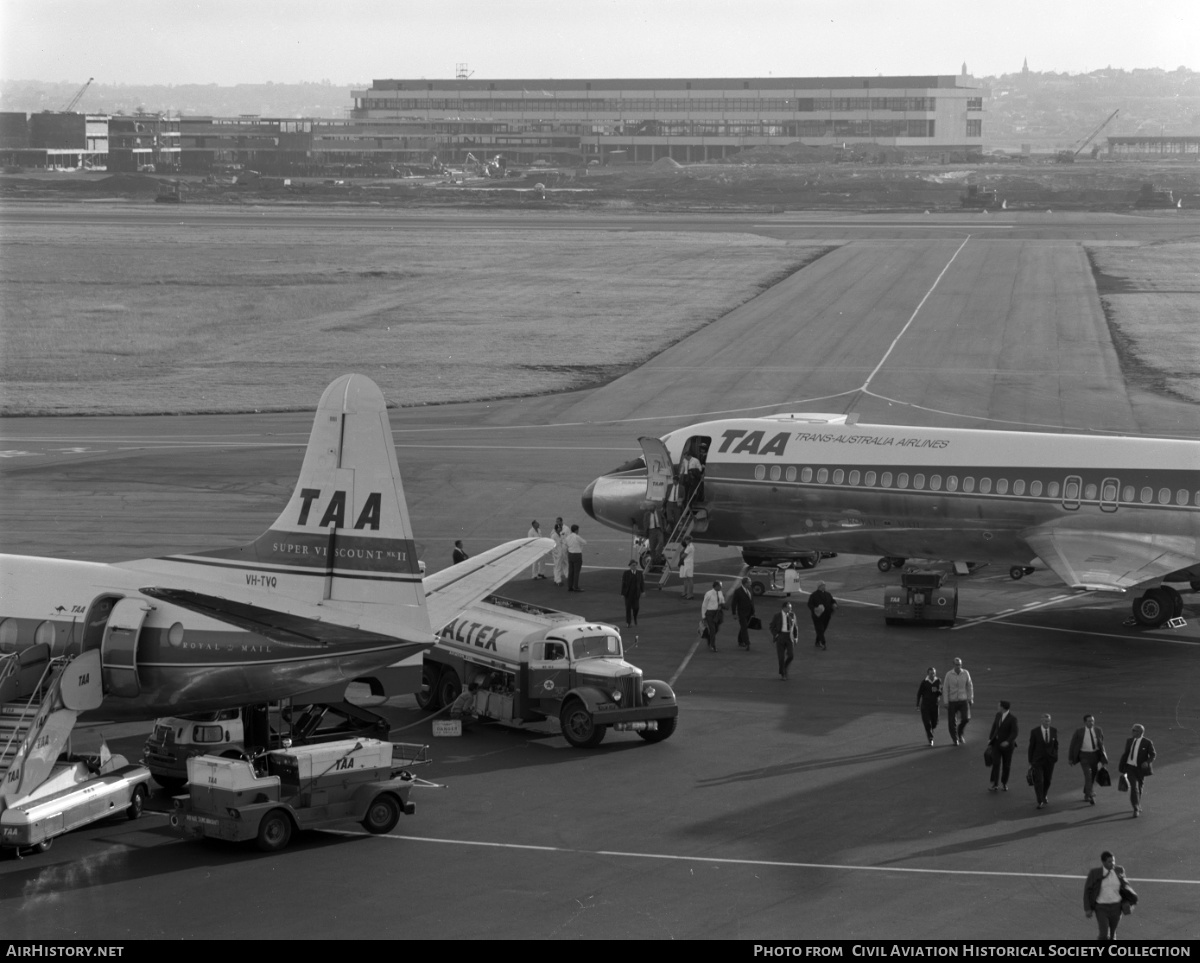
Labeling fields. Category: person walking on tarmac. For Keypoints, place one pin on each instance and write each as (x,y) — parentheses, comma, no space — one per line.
(712,610)
(785,632)
(633,584)
(929,694)
(741,606)
(959,693)
(821,604)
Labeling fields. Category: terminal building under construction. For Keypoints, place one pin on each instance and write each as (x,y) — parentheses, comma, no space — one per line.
(409,123)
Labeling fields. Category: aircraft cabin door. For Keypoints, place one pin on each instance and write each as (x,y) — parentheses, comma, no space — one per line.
(660,469)
(118,651)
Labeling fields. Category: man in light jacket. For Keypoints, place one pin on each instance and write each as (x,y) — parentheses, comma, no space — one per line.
(959,693)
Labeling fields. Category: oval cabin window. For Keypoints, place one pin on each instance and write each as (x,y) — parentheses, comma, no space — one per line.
(854,477)
(806,474)
(1035,488)
(885,480)
(919,482)
(1019,486)
(760,472)
(775,472)
(1002,486)
(790,474)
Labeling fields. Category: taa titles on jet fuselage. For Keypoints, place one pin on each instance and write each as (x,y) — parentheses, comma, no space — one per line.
(1103,512)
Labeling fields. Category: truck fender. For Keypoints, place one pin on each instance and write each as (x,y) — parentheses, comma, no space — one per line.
(663,693)
(392,787)
(589,695)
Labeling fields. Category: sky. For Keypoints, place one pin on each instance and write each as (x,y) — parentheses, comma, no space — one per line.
(353,42)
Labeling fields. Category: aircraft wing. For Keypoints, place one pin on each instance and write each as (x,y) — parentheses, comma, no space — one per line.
(286,628)
(1109,561)
(460,586)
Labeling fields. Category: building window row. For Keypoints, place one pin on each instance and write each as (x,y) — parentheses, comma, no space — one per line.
(609,105)
(1072,489)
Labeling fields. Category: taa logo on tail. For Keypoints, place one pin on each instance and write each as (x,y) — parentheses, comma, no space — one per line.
(335,511)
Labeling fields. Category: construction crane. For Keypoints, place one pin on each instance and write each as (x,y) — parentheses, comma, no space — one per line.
(1068,156)
(78,97)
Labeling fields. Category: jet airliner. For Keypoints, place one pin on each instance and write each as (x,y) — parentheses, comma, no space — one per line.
(331,592)
(1104,513)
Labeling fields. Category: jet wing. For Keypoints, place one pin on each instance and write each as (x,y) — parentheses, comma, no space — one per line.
(453,589)
(1109,561)
(286,628)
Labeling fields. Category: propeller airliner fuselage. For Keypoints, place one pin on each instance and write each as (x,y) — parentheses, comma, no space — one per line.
(1103,512)
(331,592)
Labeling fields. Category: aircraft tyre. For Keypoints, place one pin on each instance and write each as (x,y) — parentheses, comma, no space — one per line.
(449,687)
(382,815)
(1153,608)
(807,561)
(664,731)
(758,588)
(579,727)
(884,565)
(427,695)
(137,803)
(1176,601)
(1016,573)
(274,832)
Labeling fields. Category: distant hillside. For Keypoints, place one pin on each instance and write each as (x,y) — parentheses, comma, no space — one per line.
(1049,110)
(1044,109)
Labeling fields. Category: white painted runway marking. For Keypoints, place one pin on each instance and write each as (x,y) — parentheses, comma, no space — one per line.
(726,861)
(684,664)
(917,310)
(1030,607)
(1100,635)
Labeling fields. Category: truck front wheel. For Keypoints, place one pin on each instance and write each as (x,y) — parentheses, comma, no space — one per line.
(665,728)
(449,687)
(274,832)
(427,695)
(579,727)
(382,815)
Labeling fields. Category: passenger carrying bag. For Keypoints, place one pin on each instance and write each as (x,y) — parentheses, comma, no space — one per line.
(989,757)
(1103,778)
(1123,783)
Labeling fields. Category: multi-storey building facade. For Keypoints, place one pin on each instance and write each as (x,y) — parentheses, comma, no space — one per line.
(686,120)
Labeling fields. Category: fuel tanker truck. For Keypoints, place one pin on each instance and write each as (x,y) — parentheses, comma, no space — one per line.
(528,663)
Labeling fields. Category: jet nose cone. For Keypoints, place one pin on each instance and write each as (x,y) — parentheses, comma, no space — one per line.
(588,500)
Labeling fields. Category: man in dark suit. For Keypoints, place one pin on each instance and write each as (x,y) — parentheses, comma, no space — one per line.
(1043,754)
(633,585)
(741,604)
(821,604)
(1136,765)
(1003,740)
(1087,747)
(784,631)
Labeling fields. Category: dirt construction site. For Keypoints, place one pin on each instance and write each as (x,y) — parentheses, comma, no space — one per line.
(763,179)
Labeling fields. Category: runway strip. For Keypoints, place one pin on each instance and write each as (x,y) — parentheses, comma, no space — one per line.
(782,864)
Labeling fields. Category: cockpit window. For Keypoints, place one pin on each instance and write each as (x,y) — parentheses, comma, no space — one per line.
(634,464)
(597,647)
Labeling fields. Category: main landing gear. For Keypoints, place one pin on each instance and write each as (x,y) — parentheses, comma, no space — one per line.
(1157,606)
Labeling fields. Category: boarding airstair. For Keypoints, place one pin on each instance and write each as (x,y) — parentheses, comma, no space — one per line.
(691,519)
(40,699)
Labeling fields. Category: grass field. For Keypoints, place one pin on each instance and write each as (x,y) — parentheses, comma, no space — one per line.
(107,319)
(1151,297)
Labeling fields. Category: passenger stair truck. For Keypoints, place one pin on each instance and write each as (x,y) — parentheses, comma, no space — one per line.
(42,795)
(309,787)
(531,663)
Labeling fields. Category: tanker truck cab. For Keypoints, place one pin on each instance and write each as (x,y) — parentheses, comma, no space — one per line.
(530,663)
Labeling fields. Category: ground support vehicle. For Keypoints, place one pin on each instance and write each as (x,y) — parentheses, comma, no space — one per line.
(530,663)
(922,596)
(176,739)
(310,787)
(78,791)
